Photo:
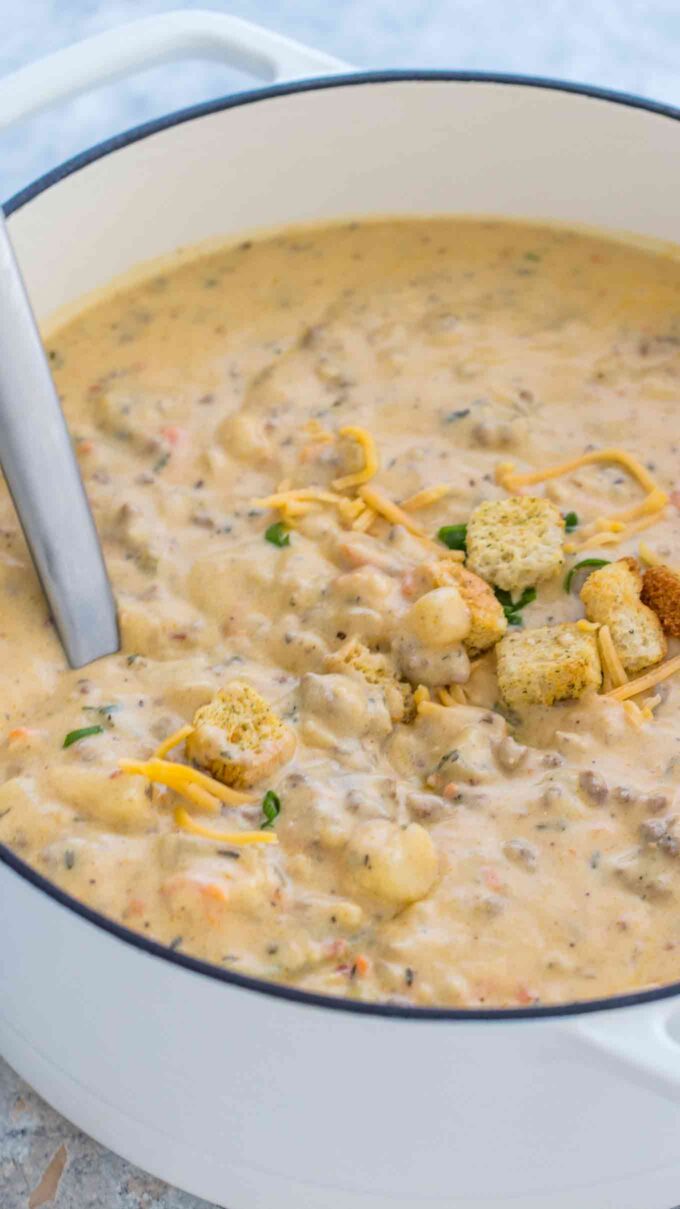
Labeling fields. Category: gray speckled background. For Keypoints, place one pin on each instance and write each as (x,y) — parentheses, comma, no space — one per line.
(631,45)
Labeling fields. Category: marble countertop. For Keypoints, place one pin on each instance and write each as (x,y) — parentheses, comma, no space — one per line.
(629,45)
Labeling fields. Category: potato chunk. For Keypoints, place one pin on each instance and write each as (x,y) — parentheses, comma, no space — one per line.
(118,803)
(548,664)
(488,622)
(612,597)
(517,542)
(440,617)
(238,737)
(397,864)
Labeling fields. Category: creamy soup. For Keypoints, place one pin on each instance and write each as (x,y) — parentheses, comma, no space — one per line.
(403,793)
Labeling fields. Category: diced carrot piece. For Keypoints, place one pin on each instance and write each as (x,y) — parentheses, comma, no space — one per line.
(173,434)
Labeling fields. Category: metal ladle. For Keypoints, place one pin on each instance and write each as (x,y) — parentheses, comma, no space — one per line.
(44,480)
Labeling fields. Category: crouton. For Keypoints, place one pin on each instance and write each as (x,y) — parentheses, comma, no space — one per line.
(488,621)
(548,664)
(611,596)
(238,738)
(515,543)
(661,593)
(354,658)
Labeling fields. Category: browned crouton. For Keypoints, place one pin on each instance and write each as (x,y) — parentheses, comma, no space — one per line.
(612,597)
(517,542)
(661,592)
(547,664)
(356,659)
(238,737)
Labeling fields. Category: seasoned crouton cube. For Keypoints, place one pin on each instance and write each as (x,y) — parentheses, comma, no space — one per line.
(238,738)
(515,543)
(548,664)
(355,659)
(661,592)
(488,622)
(611,596)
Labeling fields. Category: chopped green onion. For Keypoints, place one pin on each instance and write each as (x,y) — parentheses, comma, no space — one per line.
(161,463)
(74,736)
(454,536)
(512,608)
(585,562)
(277,534)
(271,809)
(570,521)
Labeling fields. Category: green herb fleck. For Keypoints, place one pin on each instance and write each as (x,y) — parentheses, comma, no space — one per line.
(131,659)
(532,256)
(512,608)
(69,858)
(585,562)
(161,463)
(454,536)
(452,416)
(277,534)
(571,521)
(74,736)
(271,809)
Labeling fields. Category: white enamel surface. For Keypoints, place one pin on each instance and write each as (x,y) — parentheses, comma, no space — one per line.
(249,1100)
(412,146)
(162,38)
(252,1101)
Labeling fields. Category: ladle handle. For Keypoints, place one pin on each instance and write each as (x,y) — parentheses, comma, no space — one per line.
(43,477)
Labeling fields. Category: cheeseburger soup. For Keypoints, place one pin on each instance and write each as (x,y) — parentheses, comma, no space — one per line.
(374,730)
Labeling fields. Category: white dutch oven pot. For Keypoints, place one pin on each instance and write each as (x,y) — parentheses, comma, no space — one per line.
(247,1094)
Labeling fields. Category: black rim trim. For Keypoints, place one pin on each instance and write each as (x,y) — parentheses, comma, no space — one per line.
(144,943)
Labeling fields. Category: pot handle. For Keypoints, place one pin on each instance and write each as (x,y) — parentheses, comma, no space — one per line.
(165,37)
(642,1041)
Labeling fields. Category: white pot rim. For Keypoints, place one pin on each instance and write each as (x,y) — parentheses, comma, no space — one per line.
(143,943)
(320,83)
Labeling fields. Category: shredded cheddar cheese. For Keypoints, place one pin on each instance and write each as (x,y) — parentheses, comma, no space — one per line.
(453,695)
(614,538)
(181,778)
(298,495)
(427,497)
(420,695)
(391,511)
(350,509)
(605,530)
(173,741)
(184,820)
(371,461)
(634,713)
(506,476)
(647,680)
(649,556)
(430,707)
(317,433)
(610,658)
(364,520)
